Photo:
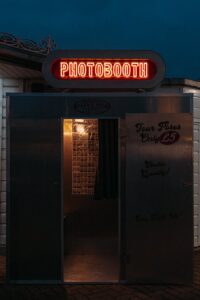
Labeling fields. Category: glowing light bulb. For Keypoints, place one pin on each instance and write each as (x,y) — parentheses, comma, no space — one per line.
(80,129)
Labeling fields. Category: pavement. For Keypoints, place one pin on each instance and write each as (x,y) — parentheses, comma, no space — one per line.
(104,292)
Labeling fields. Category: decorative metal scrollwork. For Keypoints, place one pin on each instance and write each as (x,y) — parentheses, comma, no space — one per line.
(44,48)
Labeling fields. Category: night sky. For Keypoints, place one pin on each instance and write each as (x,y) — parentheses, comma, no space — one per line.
(170,27)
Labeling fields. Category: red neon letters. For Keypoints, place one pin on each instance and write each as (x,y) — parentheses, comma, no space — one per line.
(102,69)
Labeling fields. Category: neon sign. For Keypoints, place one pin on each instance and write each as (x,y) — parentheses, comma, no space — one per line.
(103,69)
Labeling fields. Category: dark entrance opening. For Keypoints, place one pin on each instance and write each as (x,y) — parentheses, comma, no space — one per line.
(90,185)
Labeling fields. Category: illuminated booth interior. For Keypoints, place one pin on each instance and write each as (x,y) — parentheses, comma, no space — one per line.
(90,200)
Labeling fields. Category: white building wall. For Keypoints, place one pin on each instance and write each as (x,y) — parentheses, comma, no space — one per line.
(196,173)
(196,161)
(6,86)
(196,185)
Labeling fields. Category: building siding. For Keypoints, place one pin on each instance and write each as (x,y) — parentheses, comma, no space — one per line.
(196,183)
(196,172)
(6,86)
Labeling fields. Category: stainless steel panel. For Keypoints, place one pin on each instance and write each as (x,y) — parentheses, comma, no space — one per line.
(34,201)
(94,105)
(145,234)
(159,198)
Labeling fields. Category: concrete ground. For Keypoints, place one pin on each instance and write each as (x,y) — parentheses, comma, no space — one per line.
(105,292)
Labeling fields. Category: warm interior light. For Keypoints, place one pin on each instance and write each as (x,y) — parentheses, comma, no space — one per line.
(80,129)
(79,120)
(67,127)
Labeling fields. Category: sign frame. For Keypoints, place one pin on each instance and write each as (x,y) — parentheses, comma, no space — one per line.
(108,84)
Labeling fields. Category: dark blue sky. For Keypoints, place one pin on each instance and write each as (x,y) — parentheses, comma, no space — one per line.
(170,27)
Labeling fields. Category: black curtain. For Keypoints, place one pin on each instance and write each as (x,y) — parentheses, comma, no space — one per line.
(106,186)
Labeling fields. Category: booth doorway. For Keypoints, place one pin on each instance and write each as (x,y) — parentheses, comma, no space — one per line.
(91,201)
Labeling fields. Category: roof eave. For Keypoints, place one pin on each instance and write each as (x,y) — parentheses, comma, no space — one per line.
(27,59)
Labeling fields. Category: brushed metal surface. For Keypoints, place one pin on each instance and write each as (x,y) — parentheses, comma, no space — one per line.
(34,206)
(159,198)
(94,105)
(156,233)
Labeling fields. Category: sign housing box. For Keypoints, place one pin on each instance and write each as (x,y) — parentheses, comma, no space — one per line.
(104,69)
